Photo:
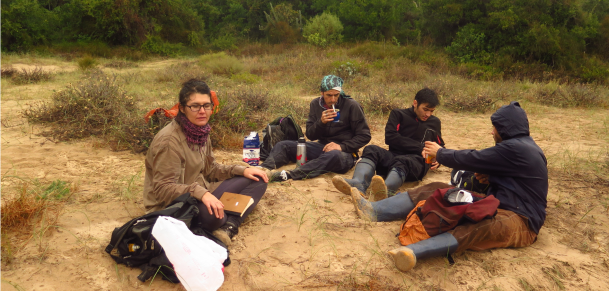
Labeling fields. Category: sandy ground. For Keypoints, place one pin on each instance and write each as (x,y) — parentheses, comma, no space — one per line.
(305,235)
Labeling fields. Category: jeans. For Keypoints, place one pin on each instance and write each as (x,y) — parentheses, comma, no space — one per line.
(318,161)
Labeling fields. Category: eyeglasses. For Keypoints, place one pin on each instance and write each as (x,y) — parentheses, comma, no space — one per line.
(197,107)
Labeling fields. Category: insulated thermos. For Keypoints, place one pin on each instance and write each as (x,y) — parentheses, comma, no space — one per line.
(301,152)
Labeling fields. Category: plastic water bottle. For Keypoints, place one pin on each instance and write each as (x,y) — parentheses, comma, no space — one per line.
(251,149)
(301,152)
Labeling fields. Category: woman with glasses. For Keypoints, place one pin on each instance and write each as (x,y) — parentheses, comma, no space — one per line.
(180,160)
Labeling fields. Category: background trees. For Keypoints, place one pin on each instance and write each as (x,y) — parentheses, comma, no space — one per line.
(504,34)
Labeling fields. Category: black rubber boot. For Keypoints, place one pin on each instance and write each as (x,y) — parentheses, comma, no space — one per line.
(405,258)
(394,180)
(364,170)
(226,232)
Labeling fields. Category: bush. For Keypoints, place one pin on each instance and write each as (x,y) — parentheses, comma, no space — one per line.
(24,76)
(245,77)
(225,42)
(179,73)
(221,63)
(348,69)
(374,50)
(323,30)
(155,45)
(463,102)
(87,63)
(97,106)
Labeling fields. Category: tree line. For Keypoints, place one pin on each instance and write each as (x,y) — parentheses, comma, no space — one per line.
(565,34)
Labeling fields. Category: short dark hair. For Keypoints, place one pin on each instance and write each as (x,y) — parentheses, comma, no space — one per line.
(428,96)
(190,87)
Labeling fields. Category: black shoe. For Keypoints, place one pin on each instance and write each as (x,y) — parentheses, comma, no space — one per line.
(280,176)
(226,233)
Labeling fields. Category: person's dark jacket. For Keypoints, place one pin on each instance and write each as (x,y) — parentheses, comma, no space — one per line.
(516,166)
(405,133)
(351,132)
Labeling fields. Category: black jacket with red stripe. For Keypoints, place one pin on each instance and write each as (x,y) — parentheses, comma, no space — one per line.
(405,134)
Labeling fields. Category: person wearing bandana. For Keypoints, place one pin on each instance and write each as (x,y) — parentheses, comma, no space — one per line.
(334,142)
(180,160)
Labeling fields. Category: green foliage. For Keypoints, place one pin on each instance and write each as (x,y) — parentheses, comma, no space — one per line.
(283,23)
(469,45)
(26,24)
(348,69)
(225,42)
(58,189)
(247,78)
(221,63)
(155,45)
(86,63)
(323,29)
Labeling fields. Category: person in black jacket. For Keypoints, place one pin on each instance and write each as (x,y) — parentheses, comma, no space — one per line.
(405,132)
(517,174)
(339,133)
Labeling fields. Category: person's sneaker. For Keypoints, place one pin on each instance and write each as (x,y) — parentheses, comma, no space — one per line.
(226,233)
(280,176)
(378,189)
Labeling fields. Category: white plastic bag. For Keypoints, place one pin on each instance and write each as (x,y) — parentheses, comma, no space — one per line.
(196,259)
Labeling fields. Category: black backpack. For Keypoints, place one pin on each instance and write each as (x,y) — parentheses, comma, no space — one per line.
(136,247)
(282,128)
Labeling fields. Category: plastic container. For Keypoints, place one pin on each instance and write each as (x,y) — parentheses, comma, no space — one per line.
(301,152)
(251,149)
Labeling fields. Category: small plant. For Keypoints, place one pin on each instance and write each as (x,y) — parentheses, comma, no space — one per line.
(221,64)
(460,102)
(87,63)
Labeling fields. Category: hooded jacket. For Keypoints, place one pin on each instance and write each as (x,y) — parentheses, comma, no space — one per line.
(351,132)
(517,167)
(405,133)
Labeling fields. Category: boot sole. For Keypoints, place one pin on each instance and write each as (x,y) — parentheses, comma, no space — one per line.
(403,258)
(341,185)
(377,189)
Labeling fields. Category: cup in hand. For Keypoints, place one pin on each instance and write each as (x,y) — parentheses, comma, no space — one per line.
(337,117)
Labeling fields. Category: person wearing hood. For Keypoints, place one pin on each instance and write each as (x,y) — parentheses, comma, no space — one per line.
(337,129)
(517,174)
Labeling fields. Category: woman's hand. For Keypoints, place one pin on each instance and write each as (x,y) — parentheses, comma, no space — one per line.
(214,206)
(251,173)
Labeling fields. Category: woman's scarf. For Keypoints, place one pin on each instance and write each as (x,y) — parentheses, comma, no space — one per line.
(195,135)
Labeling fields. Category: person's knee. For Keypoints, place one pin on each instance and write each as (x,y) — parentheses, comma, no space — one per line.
(370,150)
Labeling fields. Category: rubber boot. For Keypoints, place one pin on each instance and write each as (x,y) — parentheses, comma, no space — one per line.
(361,177)
(405,258)
(226,232)
(393,208)
(381,189)
(394,180)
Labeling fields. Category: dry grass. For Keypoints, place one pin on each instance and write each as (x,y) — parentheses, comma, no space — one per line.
(23,76)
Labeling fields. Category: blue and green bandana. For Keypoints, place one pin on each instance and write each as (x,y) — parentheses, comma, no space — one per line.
(330,82)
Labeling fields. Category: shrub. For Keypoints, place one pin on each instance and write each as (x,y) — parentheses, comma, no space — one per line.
(577,95)
(221,63)
(463,102)
(348,69)
(156,45)
(245,77)
(225,42)
(181,72)
(380,102)
(24,76)
(97,106)
(87,63)
(323,30)
(120,64)
(374,50)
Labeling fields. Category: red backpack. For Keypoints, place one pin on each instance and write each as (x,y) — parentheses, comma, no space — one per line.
(439,215)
